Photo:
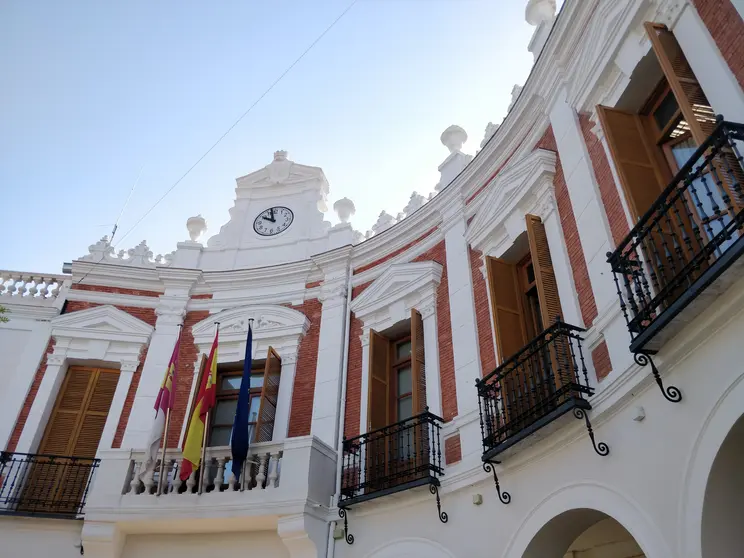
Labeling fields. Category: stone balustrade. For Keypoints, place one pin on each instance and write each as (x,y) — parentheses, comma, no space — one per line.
(29,286)
(262,471)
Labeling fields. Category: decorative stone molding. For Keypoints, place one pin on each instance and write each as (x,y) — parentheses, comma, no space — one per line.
(55,359)
(171,310)
(273,325)
(364,338)
(333,293)
(390,297)
(129,366)
(104,323)
(428,310)
(139,256)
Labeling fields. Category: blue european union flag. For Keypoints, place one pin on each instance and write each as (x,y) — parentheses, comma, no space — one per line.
(240,433)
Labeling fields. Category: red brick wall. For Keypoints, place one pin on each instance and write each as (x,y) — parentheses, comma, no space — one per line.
(444,325)
(583,286)
(482,314)
(727,29)
(30,396)
(117,290)
(353,410)
(303,392)
(393,253)
(607,188)
(601,360)
(452,450)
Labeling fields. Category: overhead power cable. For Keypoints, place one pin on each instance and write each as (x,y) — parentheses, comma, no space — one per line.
(230,129)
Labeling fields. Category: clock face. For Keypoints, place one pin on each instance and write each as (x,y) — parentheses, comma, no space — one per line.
(273,221)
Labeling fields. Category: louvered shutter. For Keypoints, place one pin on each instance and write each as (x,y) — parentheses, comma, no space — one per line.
(641,177)
(689,94)
(378,411)
(74,430)
(542,263)
(269,397)
(418,362)
(378,414)
(506,307)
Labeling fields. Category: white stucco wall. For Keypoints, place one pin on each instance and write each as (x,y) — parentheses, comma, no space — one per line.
(32,538)
(219,544)
(606,539)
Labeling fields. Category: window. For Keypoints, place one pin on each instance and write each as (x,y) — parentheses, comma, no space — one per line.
(229,379)
(524,295)
(397,387)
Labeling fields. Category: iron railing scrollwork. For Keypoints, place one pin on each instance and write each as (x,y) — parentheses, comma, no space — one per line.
(687,238)
(390,459)
(45,485)
(547,378)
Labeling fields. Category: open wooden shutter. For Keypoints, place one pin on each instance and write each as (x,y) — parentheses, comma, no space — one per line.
(418,362)
(641,177)
(547,287)
(269,397)
(378,413)
(506,307)
(689,94)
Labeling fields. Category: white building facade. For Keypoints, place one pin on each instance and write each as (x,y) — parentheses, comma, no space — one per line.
(542,359)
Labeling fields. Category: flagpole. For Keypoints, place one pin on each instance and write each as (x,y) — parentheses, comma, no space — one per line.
(203,464)
(167,418)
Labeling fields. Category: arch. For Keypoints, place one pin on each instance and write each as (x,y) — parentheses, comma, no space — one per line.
(719,424)
(411,547)
(571,509)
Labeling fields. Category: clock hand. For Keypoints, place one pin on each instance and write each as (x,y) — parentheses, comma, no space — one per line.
(271,219)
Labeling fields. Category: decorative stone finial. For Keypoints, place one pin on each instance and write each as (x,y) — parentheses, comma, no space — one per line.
(384,222)
(416,201)
(490,131)
(344,208)
(516,90)
(196,227)
(539,11)
(280,155)
(453,138)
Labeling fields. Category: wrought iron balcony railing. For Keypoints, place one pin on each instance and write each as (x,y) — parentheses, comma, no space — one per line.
(542,382)
(688,238)
(45,485)
(398,457)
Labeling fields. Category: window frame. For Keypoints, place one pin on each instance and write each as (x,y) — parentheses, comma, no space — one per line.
(227,371)
(395,366)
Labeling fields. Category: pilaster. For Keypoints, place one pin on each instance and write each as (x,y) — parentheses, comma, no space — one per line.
(431,354)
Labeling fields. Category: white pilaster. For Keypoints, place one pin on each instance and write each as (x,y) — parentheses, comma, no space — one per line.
(363,404)
(330,362)
(43,403)
(284,398)
(431,354)
(462,310)
(583,192)
(117,404)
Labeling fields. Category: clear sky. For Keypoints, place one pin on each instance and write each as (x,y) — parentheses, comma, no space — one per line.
(94,91)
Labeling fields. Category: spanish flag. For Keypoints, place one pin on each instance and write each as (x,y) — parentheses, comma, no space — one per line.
(192,447)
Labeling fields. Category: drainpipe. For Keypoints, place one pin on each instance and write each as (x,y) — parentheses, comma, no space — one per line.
(341,411)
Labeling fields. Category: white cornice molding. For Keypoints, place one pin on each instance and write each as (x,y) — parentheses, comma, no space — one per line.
(102,322)
(527,184)
(112,275)
(401,287)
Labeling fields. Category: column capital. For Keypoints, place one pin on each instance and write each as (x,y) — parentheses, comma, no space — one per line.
(364,338)
(171,310)
(130,367)
(333,293)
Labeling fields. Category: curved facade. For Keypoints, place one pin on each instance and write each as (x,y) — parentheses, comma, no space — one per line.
(540,360)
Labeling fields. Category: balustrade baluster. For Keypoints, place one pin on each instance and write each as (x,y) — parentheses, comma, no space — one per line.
(134,484)
(176,483)
(191,482)
(273,470)
(261,474)
(219,478)
(149,480)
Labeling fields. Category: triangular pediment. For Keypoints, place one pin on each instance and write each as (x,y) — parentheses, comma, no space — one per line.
(513,185)
(101,322)
(397,282)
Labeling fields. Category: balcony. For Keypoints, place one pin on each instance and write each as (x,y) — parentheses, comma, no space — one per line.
(45,485)
(280,478)
(402,456)
(685,250)
(526,397)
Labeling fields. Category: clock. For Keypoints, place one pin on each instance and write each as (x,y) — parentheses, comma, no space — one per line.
(273,221)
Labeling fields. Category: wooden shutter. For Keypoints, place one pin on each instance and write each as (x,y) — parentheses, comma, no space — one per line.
(641,176)
(74,430)
(269,397)
(506,307)
(689,94)
(378,407)
(76,424)
(547,287)
(418,362)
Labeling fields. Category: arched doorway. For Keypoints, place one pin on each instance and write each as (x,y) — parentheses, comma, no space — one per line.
(583,533)
(722,533)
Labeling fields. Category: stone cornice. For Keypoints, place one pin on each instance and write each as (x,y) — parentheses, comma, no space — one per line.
(114,299)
